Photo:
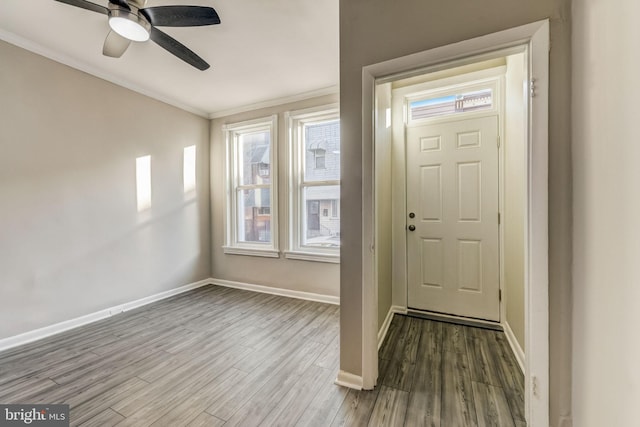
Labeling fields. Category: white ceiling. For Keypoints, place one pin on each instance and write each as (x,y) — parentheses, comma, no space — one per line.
(263,51)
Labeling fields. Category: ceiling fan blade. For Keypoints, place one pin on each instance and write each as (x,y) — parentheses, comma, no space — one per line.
(178,49)
(181,16)
(86,5)
(121,3)
(115,45)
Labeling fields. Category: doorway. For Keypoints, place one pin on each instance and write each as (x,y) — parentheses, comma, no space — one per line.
(447,130)
(532,40)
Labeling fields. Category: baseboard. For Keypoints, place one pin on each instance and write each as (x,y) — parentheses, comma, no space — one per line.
(382,332)
(346,379)
(310,296)
(515,346)
(47,331)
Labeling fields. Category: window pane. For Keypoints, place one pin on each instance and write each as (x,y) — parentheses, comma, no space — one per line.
(322,151)
(255,165)
(321,216)
(254,215)
(470,101)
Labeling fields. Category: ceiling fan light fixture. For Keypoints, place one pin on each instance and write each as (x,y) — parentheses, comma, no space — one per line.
(129,25)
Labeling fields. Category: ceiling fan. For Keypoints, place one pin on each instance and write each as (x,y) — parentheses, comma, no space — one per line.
(131,21)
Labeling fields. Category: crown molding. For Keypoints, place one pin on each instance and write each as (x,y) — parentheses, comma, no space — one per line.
(38,49)
(331,90)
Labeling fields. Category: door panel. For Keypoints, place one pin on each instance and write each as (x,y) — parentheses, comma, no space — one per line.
(432,263)
(452,187)
(431,196)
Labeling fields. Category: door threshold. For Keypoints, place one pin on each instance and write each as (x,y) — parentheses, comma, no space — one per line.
(458,320)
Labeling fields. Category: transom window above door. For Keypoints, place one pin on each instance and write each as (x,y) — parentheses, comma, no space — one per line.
(451,104)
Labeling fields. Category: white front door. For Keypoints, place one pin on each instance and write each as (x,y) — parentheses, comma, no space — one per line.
(452,223)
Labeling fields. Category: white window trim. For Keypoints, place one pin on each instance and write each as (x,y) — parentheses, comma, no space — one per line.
(295,120)
(231,132)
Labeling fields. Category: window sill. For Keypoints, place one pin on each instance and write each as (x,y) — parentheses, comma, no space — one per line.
(268,253)
(312,256)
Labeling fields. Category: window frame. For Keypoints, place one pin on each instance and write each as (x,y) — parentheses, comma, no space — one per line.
(295,157)
(232,133)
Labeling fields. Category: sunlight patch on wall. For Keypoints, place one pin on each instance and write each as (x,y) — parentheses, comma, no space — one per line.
(189,168)
(143,182)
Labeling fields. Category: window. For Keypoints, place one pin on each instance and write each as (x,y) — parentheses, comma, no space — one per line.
(319,159)
(251,182)
(451,104)
(314,188)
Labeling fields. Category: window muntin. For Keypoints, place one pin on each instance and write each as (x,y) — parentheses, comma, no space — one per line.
(251,200)
(315,185)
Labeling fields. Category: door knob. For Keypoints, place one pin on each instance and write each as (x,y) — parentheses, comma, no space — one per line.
(412,227)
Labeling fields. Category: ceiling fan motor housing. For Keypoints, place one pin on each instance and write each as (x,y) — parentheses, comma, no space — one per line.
(129,23)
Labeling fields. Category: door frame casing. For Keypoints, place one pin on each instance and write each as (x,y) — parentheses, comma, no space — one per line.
(535,37)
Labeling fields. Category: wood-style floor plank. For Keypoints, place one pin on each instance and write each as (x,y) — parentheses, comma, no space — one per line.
(454,338)
(400,370)
(194,405)
(356,408)
(106,418)
(425,399)
(82,412)
(491,406)
(390,408)
(293,404)
(267,397)
(324,406)
(482,369)
(206,420)
(217,356)
(458,407)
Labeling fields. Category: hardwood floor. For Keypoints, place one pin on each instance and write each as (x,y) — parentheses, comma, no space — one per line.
(217,356)
(454,375)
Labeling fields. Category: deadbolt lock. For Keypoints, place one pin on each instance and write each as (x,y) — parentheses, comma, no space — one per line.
(412,215)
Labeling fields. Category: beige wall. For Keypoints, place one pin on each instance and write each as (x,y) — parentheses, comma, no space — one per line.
(71,239)
(383,185)
(515,184)
(306,276)
(372,31)
(606,243)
